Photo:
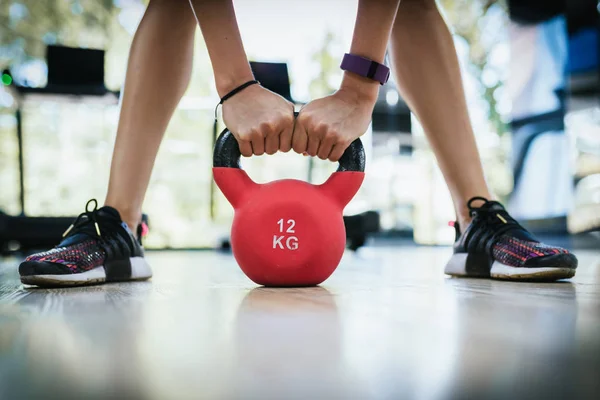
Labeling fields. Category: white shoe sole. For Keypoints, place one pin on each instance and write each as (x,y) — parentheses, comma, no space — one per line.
(140,270)
(457,266)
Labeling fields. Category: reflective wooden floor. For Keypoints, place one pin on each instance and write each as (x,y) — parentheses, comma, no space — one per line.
(387,325)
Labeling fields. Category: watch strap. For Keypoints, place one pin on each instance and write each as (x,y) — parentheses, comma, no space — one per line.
(365,67)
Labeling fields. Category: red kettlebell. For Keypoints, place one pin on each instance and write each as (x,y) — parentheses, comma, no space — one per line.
(287,232)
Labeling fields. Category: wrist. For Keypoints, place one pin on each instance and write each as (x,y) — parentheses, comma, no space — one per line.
(227,81)
(364,89)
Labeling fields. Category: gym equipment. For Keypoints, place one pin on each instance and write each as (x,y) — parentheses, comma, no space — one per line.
(359,226)
(287,232)
(28,234)
(76,75)
(20,233)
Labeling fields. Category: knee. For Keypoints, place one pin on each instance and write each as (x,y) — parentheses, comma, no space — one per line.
(418,5)
(171,6)
(179,10)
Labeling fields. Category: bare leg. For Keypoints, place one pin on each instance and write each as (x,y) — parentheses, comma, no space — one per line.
(427,72)
(158,73)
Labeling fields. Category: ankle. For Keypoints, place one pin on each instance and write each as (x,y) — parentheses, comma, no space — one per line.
(463,217)
(132,217)
(463,222)
(463,213)
(132,222)
(133,227)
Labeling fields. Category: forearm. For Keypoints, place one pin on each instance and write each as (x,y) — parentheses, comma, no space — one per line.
(224,43)
(372,29)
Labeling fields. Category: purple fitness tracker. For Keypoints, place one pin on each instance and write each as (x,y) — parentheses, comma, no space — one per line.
(364,67)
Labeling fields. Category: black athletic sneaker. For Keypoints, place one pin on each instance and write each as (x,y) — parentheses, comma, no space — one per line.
(98,247)
(494,245)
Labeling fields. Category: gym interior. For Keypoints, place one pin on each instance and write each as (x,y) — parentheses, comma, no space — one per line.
(386,322)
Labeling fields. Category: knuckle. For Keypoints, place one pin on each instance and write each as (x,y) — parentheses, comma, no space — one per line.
(314,134)
(321,128)
(287,119)
(258,146)
(242,135)
(266,127)
(256,135)
(304,118)
(332,135)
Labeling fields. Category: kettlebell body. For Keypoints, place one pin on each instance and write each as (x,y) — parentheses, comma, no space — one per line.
(287,232)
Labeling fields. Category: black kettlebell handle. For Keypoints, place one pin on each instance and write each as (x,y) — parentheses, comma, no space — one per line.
(227,154)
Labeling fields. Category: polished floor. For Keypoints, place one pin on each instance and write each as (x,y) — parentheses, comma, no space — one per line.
(387,325)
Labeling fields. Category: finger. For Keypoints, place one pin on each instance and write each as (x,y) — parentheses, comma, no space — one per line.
(245,148)
(287,131)
(285,139)
(313,146)
(271,137)
(272,143)
(258,144)
(299,138)
(326,146)
(337,152)
(314,140)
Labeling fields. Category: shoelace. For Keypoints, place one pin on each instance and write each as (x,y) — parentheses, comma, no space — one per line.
(81,224)
(497,219)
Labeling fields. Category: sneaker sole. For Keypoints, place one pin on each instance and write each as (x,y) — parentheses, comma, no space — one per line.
(140,270)
(457,266)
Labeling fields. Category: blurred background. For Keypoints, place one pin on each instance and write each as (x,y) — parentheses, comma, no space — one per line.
(530,71)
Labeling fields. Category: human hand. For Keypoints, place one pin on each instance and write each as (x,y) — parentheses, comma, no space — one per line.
(261,121)
(326,127)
